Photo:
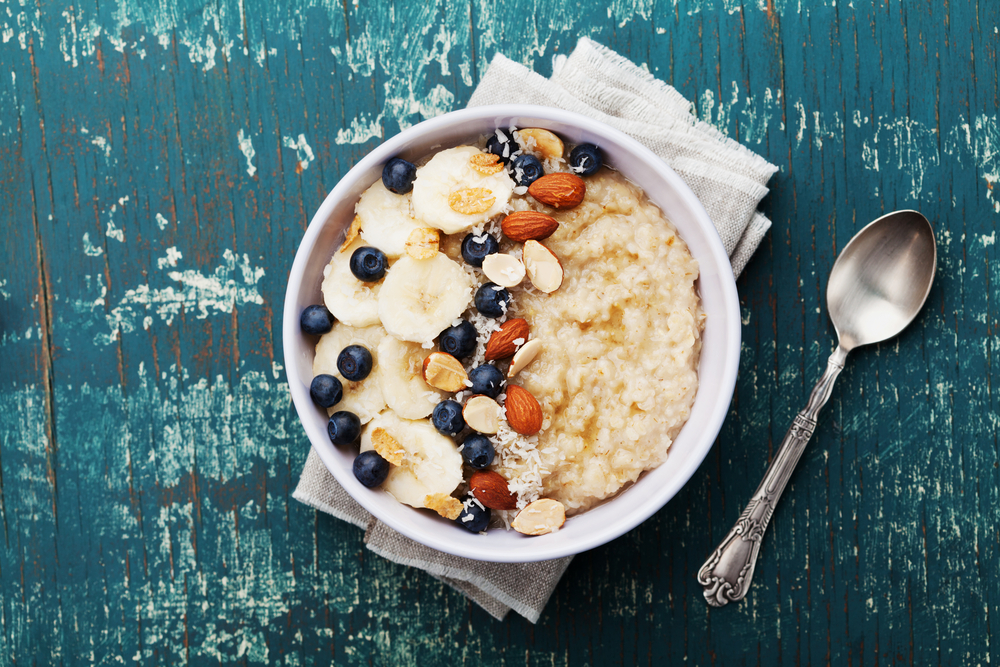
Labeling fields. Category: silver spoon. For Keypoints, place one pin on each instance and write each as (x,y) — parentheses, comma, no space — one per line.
(877,286)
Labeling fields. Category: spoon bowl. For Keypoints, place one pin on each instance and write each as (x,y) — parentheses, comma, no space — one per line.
(877,286)
(881,279)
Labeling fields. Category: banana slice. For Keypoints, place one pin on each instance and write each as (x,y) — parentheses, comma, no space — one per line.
(400,372)
(430,462)
(450,194)
(351,301)
(363,398)
(420,298)
(386,220)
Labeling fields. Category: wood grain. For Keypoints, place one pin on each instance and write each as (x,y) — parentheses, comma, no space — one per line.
(158,165)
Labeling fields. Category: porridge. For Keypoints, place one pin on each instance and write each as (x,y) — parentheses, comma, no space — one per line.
(511,334)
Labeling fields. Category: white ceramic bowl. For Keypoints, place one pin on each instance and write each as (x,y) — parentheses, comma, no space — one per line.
(719,357)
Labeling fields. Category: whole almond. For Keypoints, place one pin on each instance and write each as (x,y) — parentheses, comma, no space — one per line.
(491,490)
(501,344)
(543,267)
(540,517)
(524,414)
(482,414)
(445,372)
(545,142)
(559,190)
(524,225)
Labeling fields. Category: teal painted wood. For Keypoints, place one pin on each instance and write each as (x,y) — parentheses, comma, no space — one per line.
(158,165)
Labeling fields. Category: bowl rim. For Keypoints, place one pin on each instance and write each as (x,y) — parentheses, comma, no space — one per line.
(709,428)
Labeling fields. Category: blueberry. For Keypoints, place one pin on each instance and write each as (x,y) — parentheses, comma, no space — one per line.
(492,300)
(368,264)
(343,428)
(486,380)
(316,320)
(480,517)
(527,169)
(459,341)
(370,468)
(447,418)
(326,391)
(474,252)
(478,452)
(355,362)
(585,159)
(398,176)
(503,148)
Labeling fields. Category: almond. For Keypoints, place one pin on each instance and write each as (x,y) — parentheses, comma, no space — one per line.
(542,141)
(445,372)
(523,357)
(444,505)
(503,269)
(491,490)
(423,243)
(540,517)
(543,267)
(501,344)
(524,414)
(559,190)
(482,414)
(525,225)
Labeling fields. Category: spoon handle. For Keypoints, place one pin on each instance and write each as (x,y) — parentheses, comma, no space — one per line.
(726,575)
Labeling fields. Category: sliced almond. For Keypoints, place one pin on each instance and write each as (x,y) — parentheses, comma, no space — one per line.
(482,414)
(445,372)
(505,270)
(471,201)
(543,142)
(542,266)
(486,164)
(540,517)
(524,356)
(352,232)
(444,505)
(423,243)
(388,447)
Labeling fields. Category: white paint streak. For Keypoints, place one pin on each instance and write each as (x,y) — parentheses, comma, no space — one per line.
(246,147)
(169,260)
(89,248)
(302,150)
(231,284)
(161,221)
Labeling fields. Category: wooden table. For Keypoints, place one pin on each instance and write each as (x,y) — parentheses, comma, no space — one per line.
(159,162)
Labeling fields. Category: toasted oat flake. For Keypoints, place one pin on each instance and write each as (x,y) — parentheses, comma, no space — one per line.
(388,447)
(486,164)
(444,505)
(352,232)
(471,201)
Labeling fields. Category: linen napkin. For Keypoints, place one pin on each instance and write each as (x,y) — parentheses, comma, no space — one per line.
(730,181)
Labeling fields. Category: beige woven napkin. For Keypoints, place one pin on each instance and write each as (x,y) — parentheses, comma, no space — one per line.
(729,180)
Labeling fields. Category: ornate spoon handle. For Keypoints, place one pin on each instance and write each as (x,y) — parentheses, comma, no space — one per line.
(726,575)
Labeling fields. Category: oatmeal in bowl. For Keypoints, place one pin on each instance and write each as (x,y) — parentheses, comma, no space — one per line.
(511,333)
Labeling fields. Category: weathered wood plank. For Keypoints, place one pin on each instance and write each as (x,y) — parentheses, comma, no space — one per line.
(159,164)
